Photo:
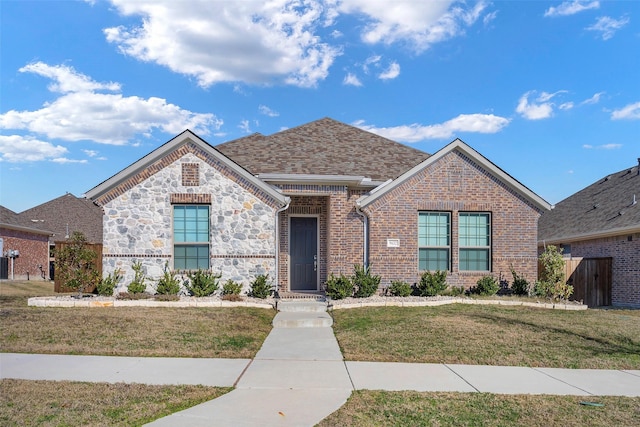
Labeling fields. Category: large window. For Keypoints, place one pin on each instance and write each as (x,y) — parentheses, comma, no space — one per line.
(434,241)
(474,241)
(190,237)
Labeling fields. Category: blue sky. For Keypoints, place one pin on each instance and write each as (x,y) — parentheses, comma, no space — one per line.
(549,91)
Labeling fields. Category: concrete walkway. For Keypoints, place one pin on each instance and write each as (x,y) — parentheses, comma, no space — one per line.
(299,377)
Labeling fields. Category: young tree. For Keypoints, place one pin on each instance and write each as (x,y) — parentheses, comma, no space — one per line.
(75,263)
(552,281)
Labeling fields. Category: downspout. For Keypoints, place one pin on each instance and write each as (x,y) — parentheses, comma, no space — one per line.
(277,232)
(365,236)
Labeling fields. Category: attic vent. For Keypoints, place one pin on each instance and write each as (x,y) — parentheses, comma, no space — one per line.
(190,174)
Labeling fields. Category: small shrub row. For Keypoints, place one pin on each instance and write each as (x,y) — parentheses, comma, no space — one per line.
(361,284)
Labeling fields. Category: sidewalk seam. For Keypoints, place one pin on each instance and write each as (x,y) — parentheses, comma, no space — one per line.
(461,377)
(564,382)
(346,368)
(235,384)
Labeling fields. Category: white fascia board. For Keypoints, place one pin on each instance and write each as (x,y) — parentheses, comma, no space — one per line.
(470,152)
(286,178)
(173,144)
(620,231)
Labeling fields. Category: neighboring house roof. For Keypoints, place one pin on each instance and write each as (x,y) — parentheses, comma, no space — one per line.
(323,147)
(458,145)
(605,208)
(64,215)
(145,166)
(12,221)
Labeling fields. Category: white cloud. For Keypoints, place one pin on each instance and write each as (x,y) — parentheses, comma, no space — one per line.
(489,17)
(268,111)
(250,41)
(602,147)
(593,100)
(572,7)
(90,153)
(351,80)
(82,113)
(608,26)
(64,160)
(390,73)
(244,126)
(18,149)
(631,112)
(421,24)
(540,108)
(566,105)
(474,123)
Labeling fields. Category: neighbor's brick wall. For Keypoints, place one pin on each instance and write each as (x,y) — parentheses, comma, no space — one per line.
(34,251)
(454,183)
(625,289)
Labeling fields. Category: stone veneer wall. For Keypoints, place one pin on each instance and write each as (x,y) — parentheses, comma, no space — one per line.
(138,224)
(453,184)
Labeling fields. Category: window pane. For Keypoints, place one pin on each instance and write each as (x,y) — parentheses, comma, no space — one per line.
(433,259)
(191,257)
(191,224)
(433,229)
(474,229)
(474,259)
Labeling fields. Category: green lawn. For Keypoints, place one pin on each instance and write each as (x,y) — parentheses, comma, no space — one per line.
(491,335)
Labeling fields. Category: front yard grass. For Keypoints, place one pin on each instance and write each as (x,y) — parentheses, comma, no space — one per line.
(407,408)
(130,331)
(65,403)
(491,335)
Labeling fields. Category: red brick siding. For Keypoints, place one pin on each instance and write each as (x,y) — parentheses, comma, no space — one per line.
(625,269)
(453,184)
(34,251)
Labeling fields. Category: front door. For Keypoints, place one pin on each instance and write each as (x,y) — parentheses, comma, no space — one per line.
(304,253)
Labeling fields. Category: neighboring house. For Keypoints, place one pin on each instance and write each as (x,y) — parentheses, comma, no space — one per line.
(31,244)
(602,220)
(63,216)
(314,200)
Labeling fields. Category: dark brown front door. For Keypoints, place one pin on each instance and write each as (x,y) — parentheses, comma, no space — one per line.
(304,253)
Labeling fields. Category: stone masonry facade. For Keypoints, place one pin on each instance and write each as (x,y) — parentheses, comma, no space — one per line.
(138,219)
(625,253)
(453,184)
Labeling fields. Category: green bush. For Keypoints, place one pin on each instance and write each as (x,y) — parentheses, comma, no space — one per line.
(168,284)
(339,287)
(520,286)
(487,285)
(260,287)
(432,284)
(231,288)
(202,283)
(454,291)
(137,286)
(364,283)
(552,283)
(399,288)
(108,284)
(76,264)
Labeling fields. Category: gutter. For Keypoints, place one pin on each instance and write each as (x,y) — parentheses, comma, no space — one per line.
(365,236)
(277,235)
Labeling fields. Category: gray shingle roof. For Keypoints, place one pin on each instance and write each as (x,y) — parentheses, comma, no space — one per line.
(323,147)
(79,213)
(605,206)
(10,219)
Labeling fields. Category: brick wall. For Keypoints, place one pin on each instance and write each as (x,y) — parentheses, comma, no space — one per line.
(34,251)
(453,184)
(625,251)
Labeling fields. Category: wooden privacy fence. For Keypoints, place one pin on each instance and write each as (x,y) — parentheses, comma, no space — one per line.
(58,286)
(591,280)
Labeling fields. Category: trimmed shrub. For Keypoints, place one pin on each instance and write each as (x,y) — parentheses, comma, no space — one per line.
(520,286)
(399,288)
(168,284)
(432,284)
(137,286)
(339,287)
(108,284)
(202,283)
(487,285)
(231,288)
(260,288)
(363,282)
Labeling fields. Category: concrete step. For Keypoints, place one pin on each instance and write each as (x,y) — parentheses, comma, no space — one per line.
(305,306)
(287,319)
